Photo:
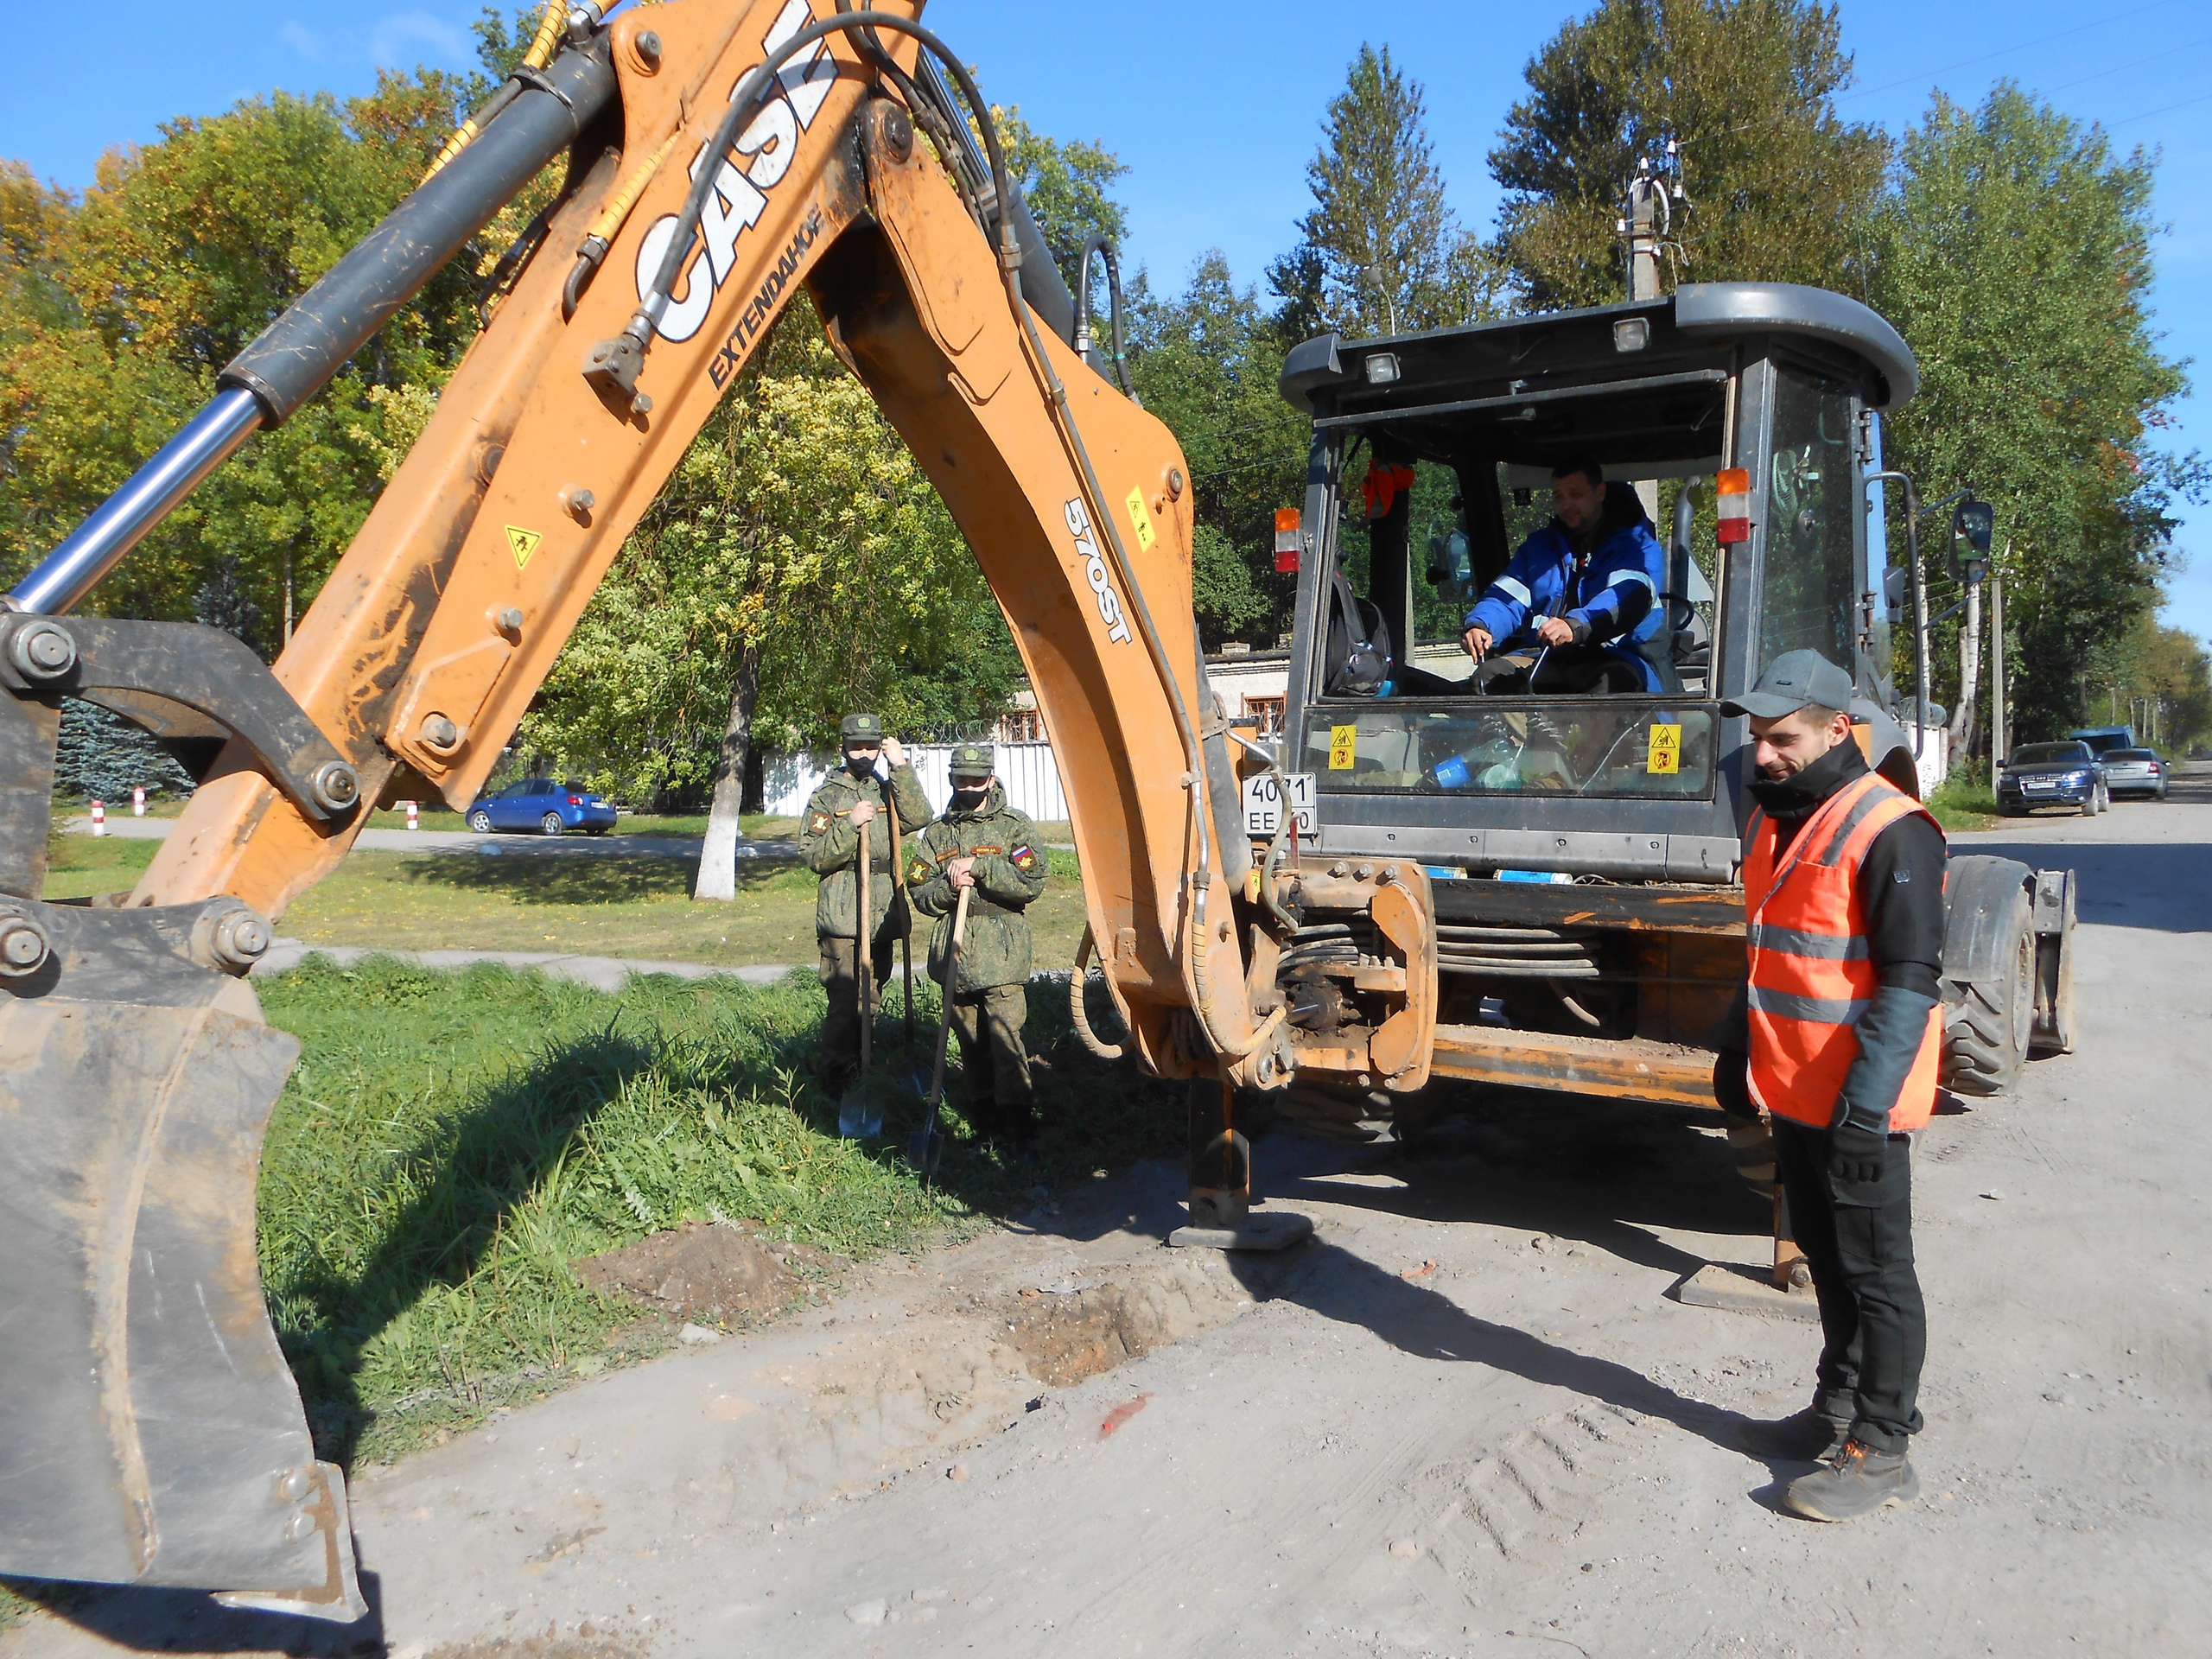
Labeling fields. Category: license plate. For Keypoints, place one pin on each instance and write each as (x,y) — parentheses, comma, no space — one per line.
(1263,799)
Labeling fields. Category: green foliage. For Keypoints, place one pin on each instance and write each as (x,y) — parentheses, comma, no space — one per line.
(449,1144)
(2014,256)
(103,757)
(1207,362)
(1382,251)
(1964,800)
(1778,183)
(799,528)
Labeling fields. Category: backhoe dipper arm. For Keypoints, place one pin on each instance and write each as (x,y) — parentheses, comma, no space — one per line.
(426,645)
(746,149)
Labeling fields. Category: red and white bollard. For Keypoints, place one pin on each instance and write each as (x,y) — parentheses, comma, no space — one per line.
(139,800)
(100,818)
(414,816)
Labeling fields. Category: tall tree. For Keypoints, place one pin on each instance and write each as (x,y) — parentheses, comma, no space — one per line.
(1207,362)
(1778,183)
(1382,252)
(2014,255)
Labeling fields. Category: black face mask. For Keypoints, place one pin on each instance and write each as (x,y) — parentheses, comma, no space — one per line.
(860,766)
(1802,791)
(967,799)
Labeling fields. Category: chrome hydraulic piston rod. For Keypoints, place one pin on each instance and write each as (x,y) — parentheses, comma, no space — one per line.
(296,355)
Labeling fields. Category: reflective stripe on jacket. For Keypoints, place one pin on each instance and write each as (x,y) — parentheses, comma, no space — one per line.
(1811,973)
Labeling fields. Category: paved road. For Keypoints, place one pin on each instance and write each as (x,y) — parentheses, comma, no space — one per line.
(1466,1420)
(463,841)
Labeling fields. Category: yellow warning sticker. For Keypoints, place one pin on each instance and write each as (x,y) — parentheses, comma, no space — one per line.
(1666,752)
(522,543)
(1142,519)
(1344,740)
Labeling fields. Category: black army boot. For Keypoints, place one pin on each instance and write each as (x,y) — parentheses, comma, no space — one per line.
(1857,1481)
(1807,1436)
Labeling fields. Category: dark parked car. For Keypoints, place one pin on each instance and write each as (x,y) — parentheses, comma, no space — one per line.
(2135,772)
(2053,774)
(544,805)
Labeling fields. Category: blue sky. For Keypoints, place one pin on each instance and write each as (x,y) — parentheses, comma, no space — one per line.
(1216,108)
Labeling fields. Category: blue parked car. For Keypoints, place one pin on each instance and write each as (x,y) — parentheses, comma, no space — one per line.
(2053,774)
(544,805)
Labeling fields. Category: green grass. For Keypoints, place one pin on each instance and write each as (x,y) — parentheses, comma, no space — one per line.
(600,903)
(450,1143)
(1964,801)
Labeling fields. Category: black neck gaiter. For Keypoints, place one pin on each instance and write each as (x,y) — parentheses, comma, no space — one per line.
(1800,793)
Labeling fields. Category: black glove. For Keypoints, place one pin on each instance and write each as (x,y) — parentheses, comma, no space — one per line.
(1731,1085)
(1856,1153)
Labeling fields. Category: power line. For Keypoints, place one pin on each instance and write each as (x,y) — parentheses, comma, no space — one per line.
(2121,68)
(2168,109)
(2003,51)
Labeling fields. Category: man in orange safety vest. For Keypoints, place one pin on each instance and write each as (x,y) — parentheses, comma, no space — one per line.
(1836,1035)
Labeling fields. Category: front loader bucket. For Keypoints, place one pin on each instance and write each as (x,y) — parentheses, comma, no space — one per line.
(150,1432)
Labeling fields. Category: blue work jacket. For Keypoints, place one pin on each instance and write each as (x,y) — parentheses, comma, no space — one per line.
(1610,599)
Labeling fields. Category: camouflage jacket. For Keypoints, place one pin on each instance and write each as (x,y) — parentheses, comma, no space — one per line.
(1009,874)
(831,847)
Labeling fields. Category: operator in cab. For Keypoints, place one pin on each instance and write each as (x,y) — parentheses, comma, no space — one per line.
(1579,600)
(1837,1034)
(984,845)
(876,775)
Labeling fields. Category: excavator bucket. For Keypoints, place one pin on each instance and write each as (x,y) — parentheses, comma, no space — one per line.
(149,1430)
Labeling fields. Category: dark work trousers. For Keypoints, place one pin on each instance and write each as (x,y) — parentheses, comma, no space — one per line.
(1001,1100)
(1857,1240)
(840,1027)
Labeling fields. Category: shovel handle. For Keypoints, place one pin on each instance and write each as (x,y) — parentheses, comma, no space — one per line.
(864,937)
(945,1020)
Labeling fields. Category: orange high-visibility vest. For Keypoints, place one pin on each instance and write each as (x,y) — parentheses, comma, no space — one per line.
(1811,976)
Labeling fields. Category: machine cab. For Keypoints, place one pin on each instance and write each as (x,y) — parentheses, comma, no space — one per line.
(1432,460)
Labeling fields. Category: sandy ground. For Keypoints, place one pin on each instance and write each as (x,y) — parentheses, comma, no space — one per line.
(1467,1418)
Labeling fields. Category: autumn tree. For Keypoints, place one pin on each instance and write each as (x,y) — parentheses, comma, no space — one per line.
(1778,183)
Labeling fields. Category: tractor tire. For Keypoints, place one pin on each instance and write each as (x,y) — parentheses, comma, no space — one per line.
(1986,1028)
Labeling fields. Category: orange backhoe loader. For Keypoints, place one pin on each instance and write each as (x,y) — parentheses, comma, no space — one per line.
(721,155)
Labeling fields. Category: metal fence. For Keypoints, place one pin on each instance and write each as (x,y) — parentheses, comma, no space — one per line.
(1030,775)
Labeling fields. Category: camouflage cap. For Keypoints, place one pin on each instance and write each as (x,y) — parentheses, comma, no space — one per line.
(971,761)
(861,729)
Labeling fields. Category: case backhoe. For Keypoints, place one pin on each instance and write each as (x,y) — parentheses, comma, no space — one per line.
(721,155)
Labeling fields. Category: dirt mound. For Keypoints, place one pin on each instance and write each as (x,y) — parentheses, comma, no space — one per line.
(1065,1338)
(704,1270)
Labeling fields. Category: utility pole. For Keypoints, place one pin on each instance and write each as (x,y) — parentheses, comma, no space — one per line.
(2000,737)
(1651,195)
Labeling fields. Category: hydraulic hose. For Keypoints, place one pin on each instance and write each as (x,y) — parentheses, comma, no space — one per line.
(1079,1016)
(539,55)
(1103,249)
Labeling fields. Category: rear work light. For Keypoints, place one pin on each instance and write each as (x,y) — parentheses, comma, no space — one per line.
(1733,497)
(1287,520)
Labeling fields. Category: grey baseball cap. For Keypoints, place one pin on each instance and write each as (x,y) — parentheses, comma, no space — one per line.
(1795,680)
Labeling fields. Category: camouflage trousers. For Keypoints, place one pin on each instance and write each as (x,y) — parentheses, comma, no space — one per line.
(1001,1099)
(840,1027)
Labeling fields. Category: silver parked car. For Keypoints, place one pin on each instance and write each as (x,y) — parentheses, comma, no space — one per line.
(2135,772)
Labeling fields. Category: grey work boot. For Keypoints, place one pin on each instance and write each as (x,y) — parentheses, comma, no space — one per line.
(1807,1436)
(1857,1481)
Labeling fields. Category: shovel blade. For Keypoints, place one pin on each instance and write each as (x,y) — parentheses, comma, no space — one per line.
(150,1432)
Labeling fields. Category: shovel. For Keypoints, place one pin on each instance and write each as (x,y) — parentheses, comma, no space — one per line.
(858,1118)
(906,936)
(928,1144)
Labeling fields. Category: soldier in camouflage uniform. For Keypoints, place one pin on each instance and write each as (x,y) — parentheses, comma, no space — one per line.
(983,844)
(830,841)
